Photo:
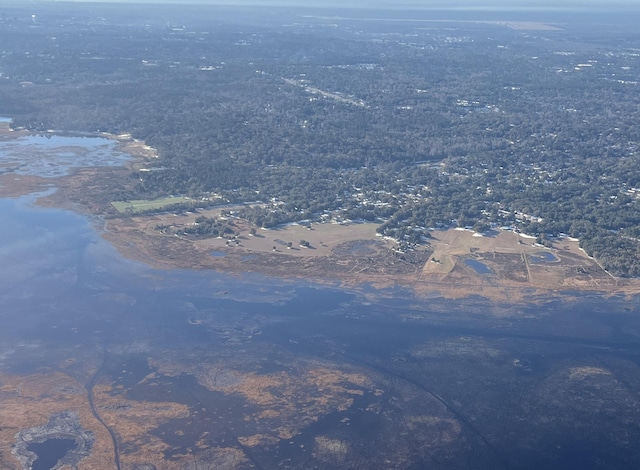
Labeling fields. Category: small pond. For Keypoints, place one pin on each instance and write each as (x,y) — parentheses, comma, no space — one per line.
(477,266)
(543,257)
(50,452)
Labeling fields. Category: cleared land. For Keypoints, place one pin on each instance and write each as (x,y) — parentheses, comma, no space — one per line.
(321,238)
(351,253)
(507,264)
(144,205)
(457,263)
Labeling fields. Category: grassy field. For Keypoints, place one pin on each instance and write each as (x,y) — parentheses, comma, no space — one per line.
(143,205)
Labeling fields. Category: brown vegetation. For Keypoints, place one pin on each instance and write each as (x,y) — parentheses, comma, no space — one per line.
(350,253)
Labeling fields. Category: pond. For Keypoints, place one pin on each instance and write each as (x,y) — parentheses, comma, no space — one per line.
(50,452)
(543,257)
(477,266)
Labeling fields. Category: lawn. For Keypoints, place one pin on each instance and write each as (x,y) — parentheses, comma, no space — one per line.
(144,205)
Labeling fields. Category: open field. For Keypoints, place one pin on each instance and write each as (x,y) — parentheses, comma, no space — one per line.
(508,264)
(336,252)
(456,263)
(142,205)
(321,238)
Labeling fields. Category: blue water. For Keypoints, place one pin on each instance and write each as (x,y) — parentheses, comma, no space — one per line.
(477,266)
(51,156)
(434,383)
(50,452)
(543,257)
(66,297)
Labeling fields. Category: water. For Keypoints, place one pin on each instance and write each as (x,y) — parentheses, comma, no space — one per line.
(51,156)
(477,266)
(66,293)
(543,257)
(292,373)
(50,452)
(34,241)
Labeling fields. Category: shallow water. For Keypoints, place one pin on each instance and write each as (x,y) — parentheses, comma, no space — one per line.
(477,266)
(543,257)
(429,383)
(66,291)
(51,156)
(50,452)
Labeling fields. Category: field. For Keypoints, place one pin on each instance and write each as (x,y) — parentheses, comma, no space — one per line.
(506,264)
(143,205)
(457,263)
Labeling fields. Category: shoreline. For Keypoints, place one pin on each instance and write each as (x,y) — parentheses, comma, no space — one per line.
(458,263)
(378,269)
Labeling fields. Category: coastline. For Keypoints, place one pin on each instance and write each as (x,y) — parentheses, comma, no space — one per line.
(500,265)
(352,255)
(380,267)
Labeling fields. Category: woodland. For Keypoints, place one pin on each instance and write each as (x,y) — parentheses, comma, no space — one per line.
(418,122)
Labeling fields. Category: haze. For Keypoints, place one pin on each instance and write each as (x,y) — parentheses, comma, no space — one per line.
(437,4)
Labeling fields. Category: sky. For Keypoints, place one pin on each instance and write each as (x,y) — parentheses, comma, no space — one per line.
(444,4)
(417,3)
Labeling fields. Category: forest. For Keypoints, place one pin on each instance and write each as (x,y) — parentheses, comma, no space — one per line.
(416,124)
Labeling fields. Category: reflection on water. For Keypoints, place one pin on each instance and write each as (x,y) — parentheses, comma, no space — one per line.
(237,371)
(37,242)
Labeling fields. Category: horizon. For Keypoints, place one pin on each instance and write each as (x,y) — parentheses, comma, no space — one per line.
(470,5)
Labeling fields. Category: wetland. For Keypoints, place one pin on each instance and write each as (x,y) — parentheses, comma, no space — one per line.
(242,238)
(108,362)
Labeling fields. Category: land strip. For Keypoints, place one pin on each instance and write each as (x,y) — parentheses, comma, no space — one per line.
(456,263)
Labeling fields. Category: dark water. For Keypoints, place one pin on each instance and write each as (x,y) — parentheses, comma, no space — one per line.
(50,452)
(543,257)
(449,384)
(477,266)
